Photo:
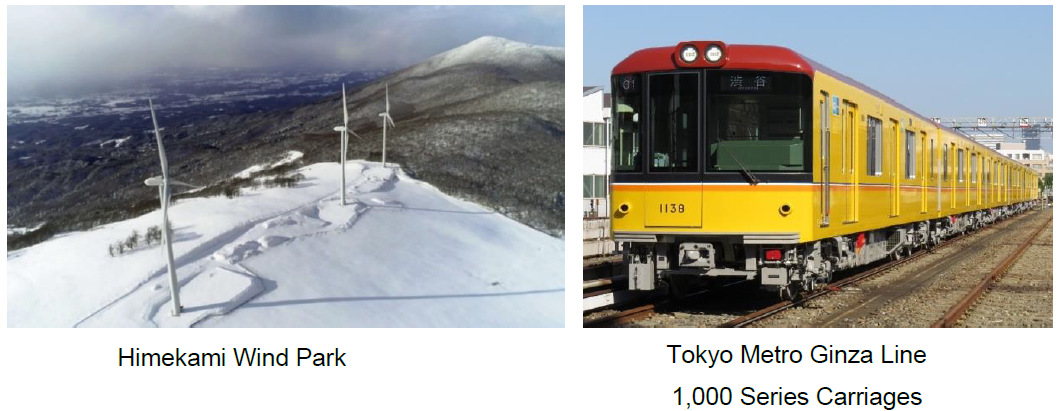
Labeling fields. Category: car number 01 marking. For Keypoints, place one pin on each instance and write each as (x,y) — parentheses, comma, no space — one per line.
(672,208)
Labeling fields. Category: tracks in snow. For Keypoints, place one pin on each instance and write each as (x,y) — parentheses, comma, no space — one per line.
(222,255)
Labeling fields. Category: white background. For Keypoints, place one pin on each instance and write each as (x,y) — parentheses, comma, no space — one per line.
(566,368)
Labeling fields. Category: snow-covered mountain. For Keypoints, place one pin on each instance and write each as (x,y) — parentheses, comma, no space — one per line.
(496,51)
(401,254)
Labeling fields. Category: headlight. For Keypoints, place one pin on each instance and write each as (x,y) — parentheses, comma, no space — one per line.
(689,53)
(713,53)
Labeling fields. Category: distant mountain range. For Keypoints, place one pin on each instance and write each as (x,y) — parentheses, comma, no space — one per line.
(483,121)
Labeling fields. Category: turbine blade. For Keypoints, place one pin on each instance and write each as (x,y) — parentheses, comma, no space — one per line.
(390,120)
(158,137)
(355,134)
(181,183)
(345,111)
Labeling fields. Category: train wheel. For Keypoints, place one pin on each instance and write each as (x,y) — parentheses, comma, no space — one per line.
(678,288)
(789,292)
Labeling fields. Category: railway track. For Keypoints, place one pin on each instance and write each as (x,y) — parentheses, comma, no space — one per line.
(908,284)
(642,311)
(958,311)
(835,286)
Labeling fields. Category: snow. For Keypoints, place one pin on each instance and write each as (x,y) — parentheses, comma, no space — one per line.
(492,50)
(81,127)
(23,230)
(289,157)
(117,142)
(399,254)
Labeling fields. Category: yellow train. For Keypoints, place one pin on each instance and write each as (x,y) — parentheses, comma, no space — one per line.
(755,163)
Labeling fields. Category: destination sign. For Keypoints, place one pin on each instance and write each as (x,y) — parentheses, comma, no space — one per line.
(746,82)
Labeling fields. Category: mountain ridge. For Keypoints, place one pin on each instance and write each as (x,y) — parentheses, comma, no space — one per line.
(488,132)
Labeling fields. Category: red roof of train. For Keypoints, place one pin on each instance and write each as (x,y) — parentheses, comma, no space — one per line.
(740,57)
(756,57)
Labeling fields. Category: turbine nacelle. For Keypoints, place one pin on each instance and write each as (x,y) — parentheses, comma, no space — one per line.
(161,181)
(386,117)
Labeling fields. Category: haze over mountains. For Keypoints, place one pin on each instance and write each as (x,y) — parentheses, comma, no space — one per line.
(482,122)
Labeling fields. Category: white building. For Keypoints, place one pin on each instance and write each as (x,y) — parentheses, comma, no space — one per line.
(1039,160)
(992,140)
(596,156)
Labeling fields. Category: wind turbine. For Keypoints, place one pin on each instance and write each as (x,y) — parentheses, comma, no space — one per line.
(163,194)
(386,119)
(344,143)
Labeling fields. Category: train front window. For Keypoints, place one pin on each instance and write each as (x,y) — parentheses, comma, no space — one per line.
(758,121)
(673,121)
(626,114)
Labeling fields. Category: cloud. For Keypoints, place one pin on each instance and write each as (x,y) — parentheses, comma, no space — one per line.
(98,44)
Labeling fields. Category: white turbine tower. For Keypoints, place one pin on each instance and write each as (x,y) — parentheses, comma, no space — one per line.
(163,184)
(344,143)
(386,119)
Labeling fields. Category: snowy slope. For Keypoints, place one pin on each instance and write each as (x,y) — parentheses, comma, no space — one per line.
(289,157)
(491,50)
(401,253)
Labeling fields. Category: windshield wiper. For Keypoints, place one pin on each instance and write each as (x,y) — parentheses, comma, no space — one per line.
(751,177)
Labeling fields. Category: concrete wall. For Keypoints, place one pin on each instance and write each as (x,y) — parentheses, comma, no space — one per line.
(596,238)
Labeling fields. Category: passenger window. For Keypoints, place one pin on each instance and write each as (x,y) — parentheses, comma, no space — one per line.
(960,165)
(910,154)
(974,169)
(874,147)
(931,160)
(627,112)
(673,121)
(945,164)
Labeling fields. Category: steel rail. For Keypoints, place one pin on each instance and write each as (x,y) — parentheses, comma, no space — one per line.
(625,316)
(774,309)
(957,311)
(600,282)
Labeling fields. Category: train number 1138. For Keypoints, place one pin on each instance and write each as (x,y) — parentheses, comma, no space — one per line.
(671,208)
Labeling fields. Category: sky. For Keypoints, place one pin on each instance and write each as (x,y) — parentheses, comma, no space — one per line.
(939,61)
(103,43)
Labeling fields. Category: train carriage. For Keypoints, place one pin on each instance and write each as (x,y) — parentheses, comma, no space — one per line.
(755,163)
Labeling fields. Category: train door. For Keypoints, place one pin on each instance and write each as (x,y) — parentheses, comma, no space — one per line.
(936,173)
(992,198)
(673,131)
(895,165)
(953,179)
(825,137)
(981,170)
(925,161)
(963,171)
(976,180)
(849,161)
